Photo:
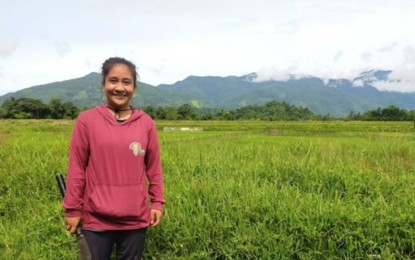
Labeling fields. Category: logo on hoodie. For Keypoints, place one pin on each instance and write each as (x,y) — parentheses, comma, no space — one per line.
(136,148)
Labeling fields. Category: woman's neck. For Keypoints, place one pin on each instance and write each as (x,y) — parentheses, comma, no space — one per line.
(121,113)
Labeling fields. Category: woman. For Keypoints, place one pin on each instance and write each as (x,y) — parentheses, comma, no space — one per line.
(114,162)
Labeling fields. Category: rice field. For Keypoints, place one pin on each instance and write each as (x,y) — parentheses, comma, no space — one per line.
(236,190)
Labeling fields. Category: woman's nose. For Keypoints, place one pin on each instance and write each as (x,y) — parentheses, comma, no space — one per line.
(119,88)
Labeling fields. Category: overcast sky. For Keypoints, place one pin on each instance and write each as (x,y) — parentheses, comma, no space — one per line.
(53,40)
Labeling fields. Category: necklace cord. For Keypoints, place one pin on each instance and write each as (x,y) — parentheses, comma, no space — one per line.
(117,111)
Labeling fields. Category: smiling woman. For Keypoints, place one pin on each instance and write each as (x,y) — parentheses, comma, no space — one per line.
(113,154)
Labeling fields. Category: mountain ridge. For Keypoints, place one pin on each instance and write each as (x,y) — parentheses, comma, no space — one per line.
(337,97)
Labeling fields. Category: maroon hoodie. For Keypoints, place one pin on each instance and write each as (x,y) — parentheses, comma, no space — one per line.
(114,174)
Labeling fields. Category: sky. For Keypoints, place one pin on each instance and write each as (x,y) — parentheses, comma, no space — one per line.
(53,40)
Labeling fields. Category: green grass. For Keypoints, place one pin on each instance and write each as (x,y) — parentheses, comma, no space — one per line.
(236,190)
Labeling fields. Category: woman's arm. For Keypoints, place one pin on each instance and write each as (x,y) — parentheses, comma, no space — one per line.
(78,160)
(154,171)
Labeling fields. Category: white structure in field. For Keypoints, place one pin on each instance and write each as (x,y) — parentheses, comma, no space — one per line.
(190,129)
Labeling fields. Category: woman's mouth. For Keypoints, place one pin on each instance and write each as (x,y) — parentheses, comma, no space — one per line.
(119,96)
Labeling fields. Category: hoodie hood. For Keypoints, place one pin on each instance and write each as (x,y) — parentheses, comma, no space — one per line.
(135,115)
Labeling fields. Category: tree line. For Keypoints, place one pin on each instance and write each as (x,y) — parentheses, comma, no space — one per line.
(28,108)
(390,113)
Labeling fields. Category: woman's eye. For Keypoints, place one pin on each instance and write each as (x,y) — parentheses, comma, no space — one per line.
(113,81)
(126,82)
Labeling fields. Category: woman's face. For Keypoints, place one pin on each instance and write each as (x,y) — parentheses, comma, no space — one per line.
(119,86)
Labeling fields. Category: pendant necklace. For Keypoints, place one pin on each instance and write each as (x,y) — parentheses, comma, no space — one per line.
(117,111)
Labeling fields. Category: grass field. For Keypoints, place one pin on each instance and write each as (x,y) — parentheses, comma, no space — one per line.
(236,190)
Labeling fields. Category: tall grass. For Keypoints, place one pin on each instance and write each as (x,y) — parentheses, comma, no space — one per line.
(237,190)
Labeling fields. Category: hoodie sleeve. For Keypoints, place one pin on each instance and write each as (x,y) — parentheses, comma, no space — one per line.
(78,160)
(154,169)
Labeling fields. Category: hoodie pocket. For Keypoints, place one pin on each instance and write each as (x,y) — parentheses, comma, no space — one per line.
(119,202)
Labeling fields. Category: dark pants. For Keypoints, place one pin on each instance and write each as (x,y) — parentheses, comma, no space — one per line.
(129,243)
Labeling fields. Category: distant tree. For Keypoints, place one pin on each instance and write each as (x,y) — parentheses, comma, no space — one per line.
(57,109)
(70,110)
(226,115)
(353,116)
(7,108)
(222,114)
(186,112)
(2,112)
(393,113)
(151,112)
(161,113)
(206,117)
(171,113)
(35,107)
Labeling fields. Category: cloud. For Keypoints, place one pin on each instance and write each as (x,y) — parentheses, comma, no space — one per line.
(88,64)
(326,39)
(272,74)
(358,83)
(8,47)
(401,86)
(158,68)
(409,55)
(401,79)
(62,47)
(337,56)
(367,57)
(388,48)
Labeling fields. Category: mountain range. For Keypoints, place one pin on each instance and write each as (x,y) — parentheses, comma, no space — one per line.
(337,97)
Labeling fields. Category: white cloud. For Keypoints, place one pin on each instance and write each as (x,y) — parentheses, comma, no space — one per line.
(272,74)
(401,78)
(402,86)
(358,83)
(409,55)
(337,56)
(62,48)
(366,57)
(7,47)
(169,41)
(389,47)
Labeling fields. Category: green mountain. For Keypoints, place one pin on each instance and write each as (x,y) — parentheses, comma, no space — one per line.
(86,92)
(334,97)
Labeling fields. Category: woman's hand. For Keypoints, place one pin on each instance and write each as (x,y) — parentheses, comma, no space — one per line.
(72,223)
(155,217)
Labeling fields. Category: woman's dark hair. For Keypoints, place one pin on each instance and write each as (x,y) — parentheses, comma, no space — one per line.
(110,62)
